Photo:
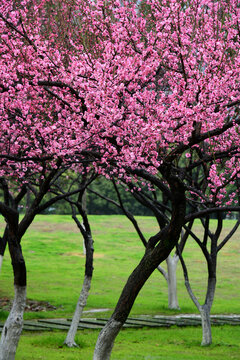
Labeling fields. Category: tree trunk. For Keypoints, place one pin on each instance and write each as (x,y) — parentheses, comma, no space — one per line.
(106,339)
(157,250)
(1,261)
(172,282)
(84,248)
(69,341)
(130,291)
(135,282)
(206,308)
(3,244)
(13,326)
(206,325)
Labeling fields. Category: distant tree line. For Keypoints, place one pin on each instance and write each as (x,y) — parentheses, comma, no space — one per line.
(97,205)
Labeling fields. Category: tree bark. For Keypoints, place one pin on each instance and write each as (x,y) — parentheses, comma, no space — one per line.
(206,309)
(88,242)
(1,261)
(172,262)
(3,243)
(206,325)
(106,339)
(70,339)
(13,326)
(134,284)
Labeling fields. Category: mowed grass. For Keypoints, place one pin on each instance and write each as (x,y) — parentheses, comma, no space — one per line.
(55,264)
(136,344)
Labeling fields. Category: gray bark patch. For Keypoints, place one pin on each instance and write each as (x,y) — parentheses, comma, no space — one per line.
(70,339)
(13,325)
(106,339)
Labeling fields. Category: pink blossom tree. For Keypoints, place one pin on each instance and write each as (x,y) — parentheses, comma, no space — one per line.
(128,87)
(14,231)
(195,175)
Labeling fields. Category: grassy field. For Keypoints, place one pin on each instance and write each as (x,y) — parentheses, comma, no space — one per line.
(53,253)
(136,344)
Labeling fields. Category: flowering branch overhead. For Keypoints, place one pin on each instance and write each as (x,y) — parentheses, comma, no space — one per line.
(138,88)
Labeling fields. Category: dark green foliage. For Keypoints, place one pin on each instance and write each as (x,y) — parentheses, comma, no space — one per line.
(99,206)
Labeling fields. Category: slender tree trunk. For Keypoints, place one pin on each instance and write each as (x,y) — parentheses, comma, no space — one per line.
(206,309)
(1,261)
(69,341)
(172,262)
(13,326)
(84,207)
(3,243)
(70,338)
(206,325)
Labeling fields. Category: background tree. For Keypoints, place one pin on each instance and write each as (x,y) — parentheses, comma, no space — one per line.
(14,231)
(78,207)
(210,252)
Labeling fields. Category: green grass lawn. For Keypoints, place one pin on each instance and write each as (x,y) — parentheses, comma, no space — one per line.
(55,264)
(136,344)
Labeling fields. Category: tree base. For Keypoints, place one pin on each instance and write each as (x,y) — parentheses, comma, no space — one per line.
(71,344)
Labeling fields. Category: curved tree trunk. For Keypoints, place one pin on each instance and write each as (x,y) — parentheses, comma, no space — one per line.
(172,262)
(134,284)
(157,250)
(131,289)
(106,340)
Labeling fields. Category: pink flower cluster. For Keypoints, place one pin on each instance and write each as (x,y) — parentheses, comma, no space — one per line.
(136,86)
